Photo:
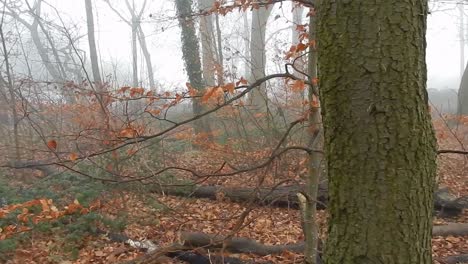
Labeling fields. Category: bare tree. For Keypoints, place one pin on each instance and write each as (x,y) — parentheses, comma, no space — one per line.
(11,92)
(258,55)
(207,43)
(92,43)
(137,33)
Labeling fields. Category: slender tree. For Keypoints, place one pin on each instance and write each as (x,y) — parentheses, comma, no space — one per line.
(379,141)
(137,35)
(92,43)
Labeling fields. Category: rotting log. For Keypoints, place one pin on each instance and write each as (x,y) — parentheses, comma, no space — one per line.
(445,203)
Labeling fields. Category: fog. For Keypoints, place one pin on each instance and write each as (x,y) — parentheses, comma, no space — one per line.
(163,37)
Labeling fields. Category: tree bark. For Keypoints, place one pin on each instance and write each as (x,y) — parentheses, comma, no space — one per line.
(315,158)
(463,94)
(258,56)
(92,44)
(147,56)
(207,43)
(191,56)
(11,92)
(379,141)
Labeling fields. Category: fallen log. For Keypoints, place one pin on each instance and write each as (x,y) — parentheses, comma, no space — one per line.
(281,196)
(236,244)
(176,251)
(451,229)
(445,204)
(250,246)
(457,259)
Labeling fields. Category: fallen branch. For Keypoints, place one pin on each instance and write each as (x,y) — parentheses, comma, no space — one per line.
(451,151)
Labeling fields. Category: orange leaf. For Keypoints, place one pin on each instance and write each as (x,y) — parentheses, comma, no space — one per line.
(209,93)
(128,132)
(301,47)
(230,87)
(73,156)
(192,91)
(241,81)
(123,89)
(45,205)
(52,144)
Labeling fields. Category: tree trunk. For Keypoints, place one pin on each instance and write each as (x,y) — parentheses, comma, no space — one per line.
(315,158)
(258,56)
(379,142)
(299,64)
(220,57)
(147,56)
(191,56)
(134,52)
(207,43)
(246,36)
(463,94)
(12,100)
(92,44)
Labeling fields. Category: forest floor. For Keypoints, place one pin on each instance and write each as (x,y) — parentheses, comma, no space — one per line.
(161,219)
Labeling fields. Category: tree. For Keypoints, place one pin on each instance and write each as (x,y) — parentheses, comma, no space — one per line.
(207,43)
(92,43)
(258,54)
(11,92)
(191,56)
(137,33)
(463,94)
(379,142)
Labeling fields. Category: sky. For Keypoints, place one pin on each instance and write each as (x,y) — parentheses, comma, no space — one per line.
(163,37)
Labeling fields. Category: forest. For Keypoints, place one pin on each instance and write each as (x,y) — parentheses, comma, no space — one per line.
(233,132)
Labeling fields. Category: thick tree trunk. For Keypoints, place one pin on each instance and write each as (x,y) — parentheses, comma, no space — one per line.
(92,44)
(379,141)
(191,56)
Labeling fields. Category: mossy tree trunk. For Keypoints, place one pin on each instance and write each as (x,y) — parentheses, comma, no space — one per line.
(379,141)
(191,56)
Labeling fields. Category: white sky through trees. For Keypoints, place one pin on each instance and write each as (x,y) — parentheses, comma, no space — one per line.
(114,37)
